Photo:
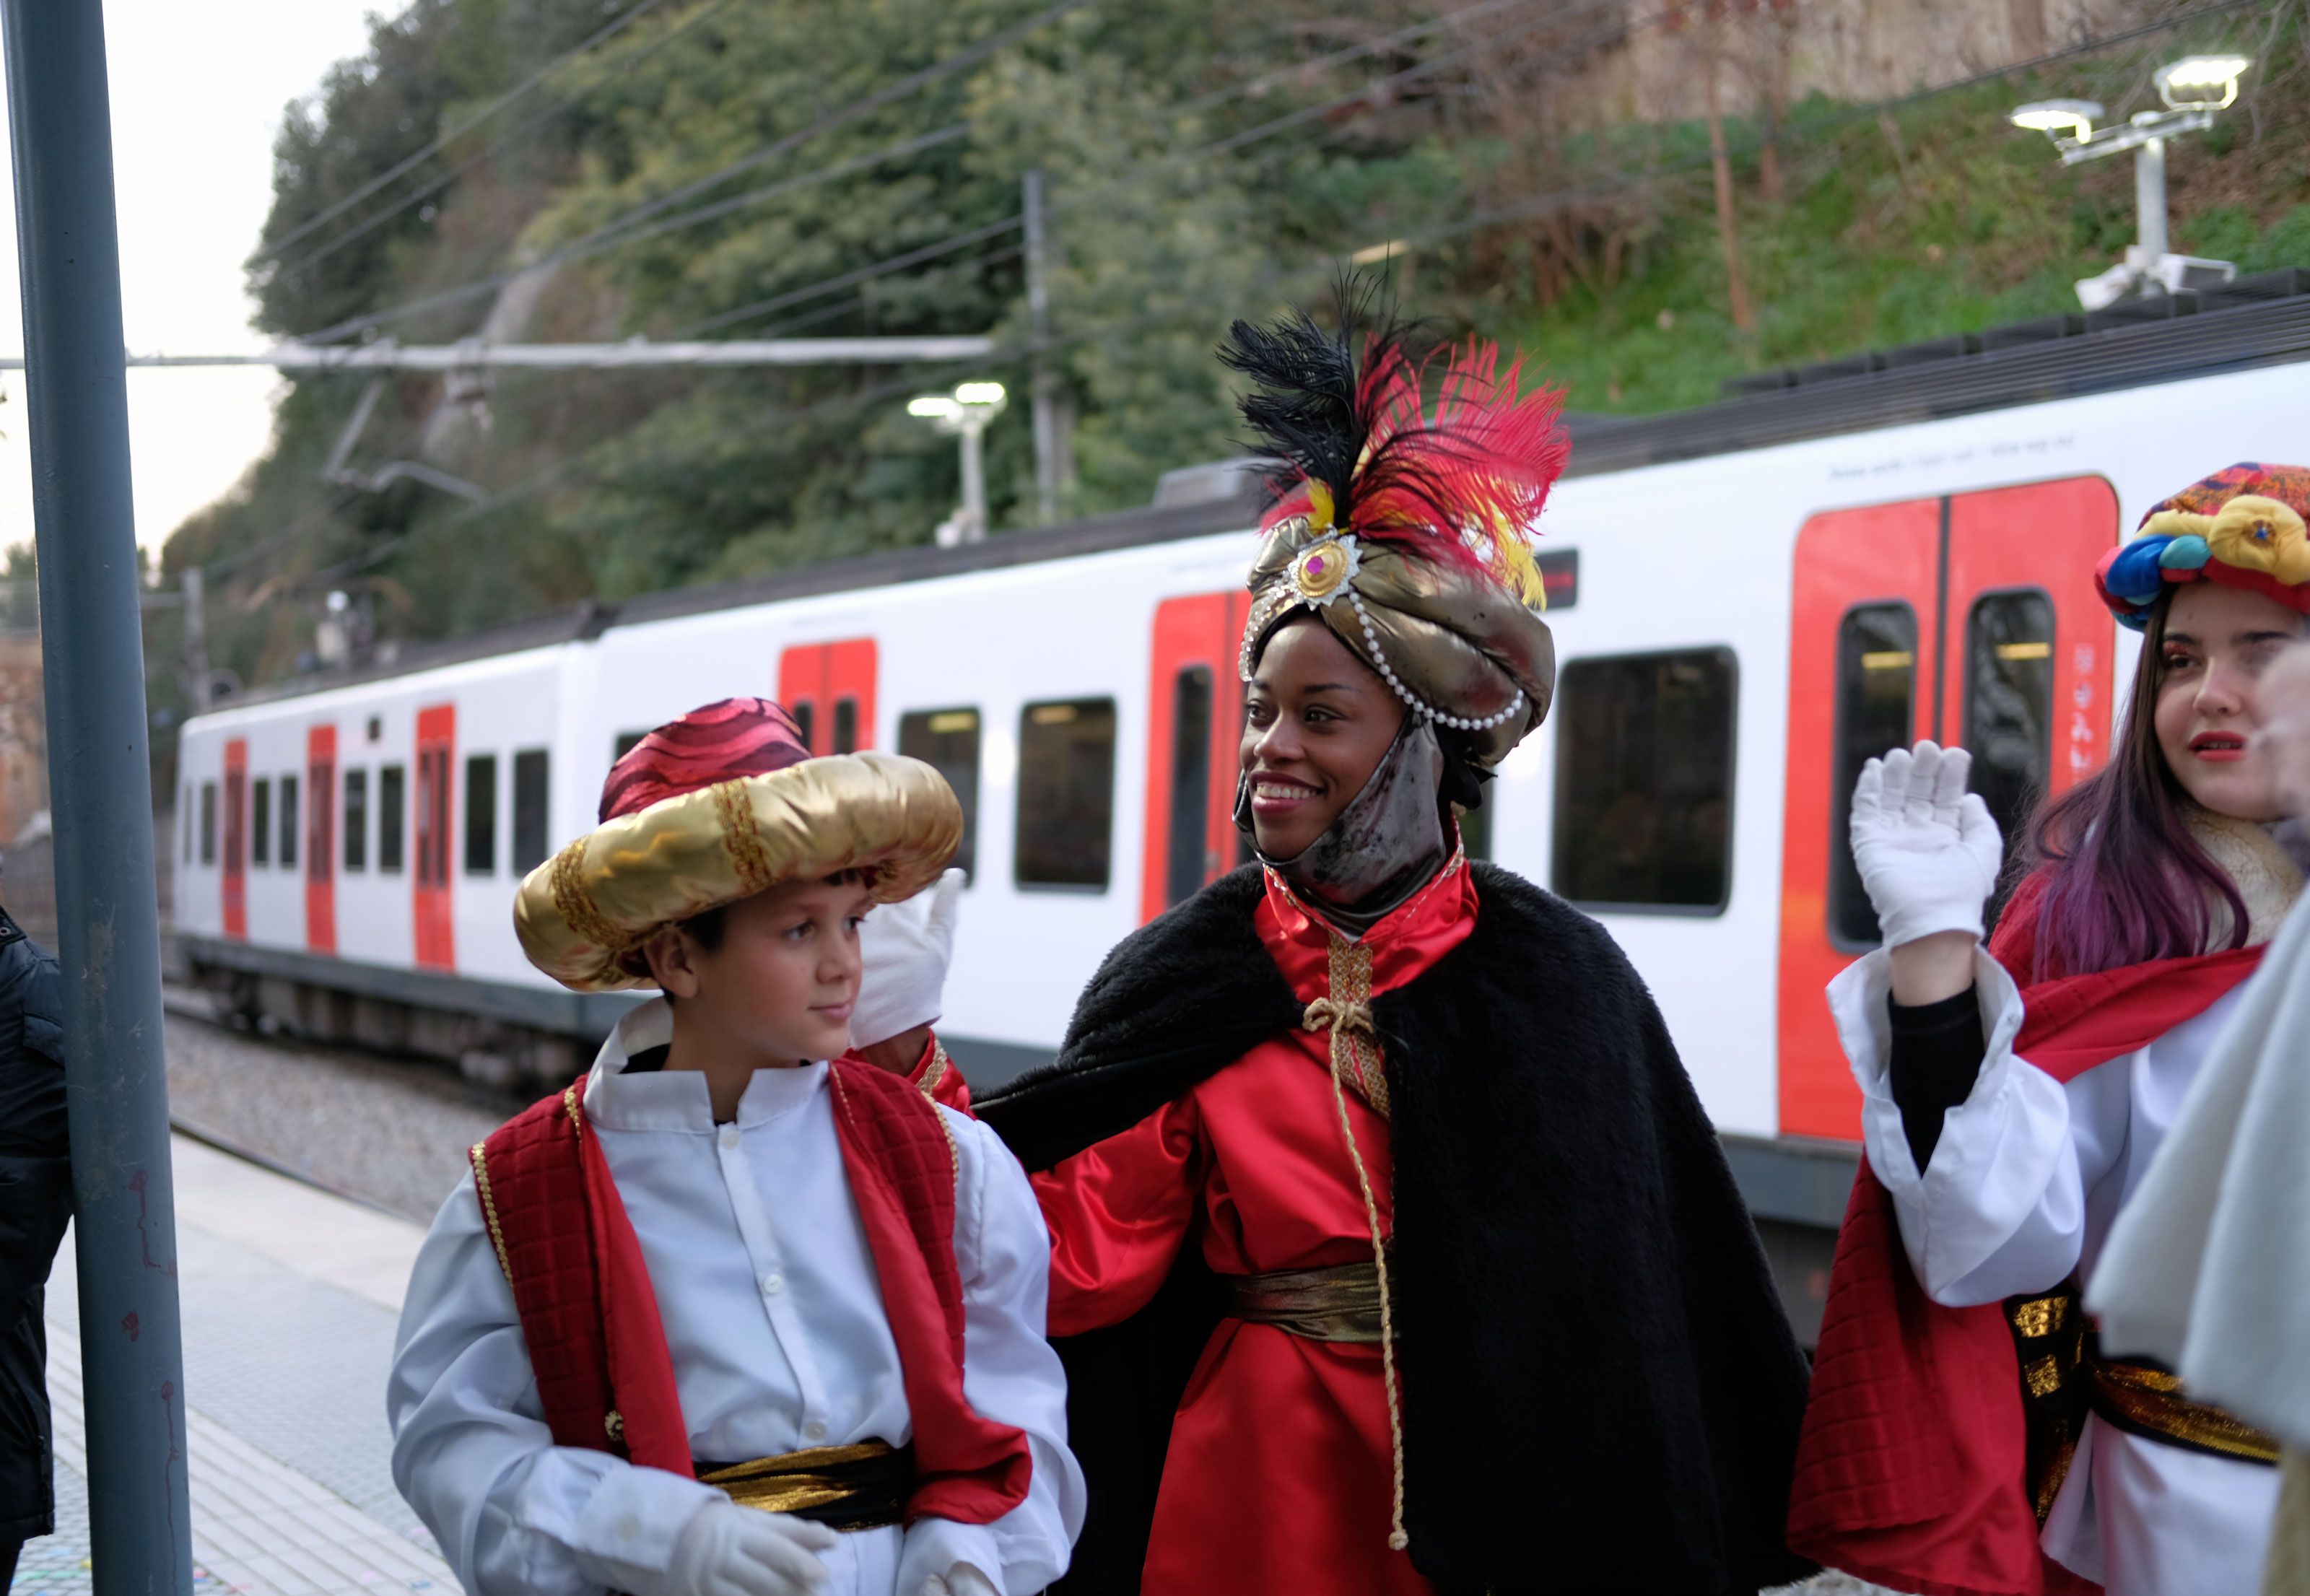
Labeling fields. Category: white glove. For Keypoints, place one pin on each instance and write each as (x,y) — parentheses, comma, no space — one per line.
(1929,853)
(906,947)
(729,1550)
(961,1580)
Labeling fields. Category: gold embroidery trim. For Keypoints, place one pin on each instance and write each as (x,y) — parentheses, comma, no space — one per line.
(929,1084)
(614,1422)
(2153,1398)
(1345,1011)
(2044,1376)
(570,1106)
(794,1481)
(576,904)
(2040,1316)
(479,1154)
(750,861)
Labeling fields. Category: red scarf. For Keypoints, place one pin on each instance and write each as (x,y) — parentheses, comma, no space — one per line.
(605,1375)
(1911,1472)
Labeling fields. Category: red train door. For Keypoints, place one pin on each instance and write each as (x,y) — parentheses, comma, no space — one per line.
(321,838)
(436,747)
(1969,619)
(828,687)
(1195,720)
(236,839)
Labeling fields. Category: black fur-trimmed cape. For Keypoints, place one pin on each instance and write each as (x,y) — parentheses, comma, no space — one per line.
(1601,1394)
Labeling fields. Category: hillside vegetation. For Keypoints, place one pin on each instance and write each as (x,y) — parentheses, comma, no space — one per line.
(802,167)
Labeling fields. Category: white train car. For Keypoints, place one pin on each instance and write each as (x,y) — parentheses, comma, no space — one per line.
(1747,599)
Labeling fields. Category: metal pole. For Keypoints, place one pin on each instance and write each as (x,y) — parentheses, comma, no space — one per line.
(974,481)
(2150,201)
(197,640)
(1038,308)
(100,776)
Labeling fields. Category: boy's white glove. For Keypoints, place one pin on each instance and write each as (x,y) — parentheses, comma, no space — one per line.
(905,947)
(729,1550)
(1928,852)
(961,1580)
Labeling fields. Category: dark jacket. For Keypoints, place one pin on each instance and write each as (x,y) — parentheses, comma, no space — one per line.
(1601,1392)
(35,1202)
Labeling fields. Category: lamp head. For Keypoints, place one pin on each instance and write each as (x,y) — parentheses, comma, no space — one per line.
(979,396)
(933,407)
(2058,118)
(2200,82)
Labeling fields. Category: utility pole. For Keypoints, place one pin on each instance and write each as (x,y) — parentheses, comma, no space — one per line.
(100,781)
(197,641)
(1038,308)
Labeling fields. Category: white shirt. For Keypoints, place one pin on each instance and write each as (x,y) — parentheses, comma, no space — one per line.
(2021,1191)
(766,1289)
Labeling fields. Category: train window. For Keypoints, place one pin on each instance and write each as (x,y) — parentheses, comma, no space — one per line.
(1188,855)
(481,814)
(235,817)
(320,845)
(805,719)
(2008,705)
(1066,795)
(845,726)
(947,740)
(287,823)
(185,821)
(1876,711)
(208,822)
(392,784)
(530,822)
(433,817)
(356,820)
(260,821)
(1644,781)
(623,744)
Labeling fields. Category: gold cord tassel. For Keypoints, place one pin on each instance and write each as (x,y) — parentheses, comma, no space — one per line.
(1344,1012)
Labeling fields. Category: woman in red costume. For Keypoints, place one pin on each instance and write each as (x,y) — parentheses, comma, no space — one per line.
(1391,1251)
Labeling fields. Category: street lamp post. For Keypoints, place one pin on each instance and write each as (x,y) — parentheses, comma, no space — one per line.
(965,413)
(2194,90)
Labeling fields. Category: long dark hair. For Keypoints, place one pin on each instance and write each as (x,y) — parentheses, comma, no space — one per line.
(2127,882)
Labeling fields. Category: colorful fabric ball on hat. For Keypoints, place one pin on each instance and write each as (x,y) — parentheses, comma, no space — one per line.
(2247,526)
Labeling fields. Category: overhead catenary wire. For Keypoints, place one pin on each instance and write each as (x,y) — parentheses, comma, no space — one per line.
(497,146)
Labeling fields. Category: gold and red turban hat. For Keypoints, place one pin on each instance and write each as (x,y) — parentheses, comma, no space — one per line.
(2247,526)
(1403,525)
(719,805)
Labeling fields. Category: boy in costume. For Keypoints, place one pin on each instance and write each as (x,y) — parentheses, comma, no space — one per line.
(722,1318)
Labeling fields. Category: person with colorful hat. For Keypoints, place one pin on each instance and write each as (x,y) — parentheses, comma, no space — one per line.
(1391,1251)
(1970,1431)
(725,1318)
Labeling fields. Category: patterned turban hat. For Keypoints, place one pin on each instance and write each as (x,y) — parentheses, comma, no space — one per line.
(2243,527)
(719,805)
(1403,526)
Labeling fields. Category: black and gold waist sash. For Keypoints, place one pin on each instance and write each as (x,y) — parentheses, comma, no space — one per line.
(861,1486)
(1338,1304)
(2064,1377)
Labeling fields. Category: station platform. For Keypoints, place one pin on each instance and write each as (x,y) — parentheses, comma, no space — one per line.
(290,1297)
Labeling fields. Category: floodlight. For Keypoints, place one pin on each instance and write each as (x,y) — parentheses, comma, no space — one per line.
(933,407)
(2074,117)
(978,392)
(2200,82)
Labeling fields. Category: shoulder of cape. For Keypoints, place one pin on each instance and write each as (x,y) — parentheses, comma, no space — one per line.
(1527,935)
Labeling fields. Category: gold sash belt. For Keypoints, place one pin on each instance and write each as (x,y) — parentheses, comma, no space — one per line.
(2149,1402)
(1338,1304)
(861,1486)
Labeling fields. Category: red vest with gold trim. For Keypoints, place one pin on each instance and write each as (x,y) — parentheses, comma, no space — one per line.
(605,1375)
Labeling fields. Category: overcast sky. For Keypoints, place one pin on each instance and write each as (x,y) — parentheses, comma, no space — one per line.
(198,93)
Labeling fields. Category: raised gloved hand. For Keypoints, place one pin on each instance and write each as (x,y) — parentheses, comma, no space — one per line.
(906,947)
(1928,852)
(729,1550)
(961,1580)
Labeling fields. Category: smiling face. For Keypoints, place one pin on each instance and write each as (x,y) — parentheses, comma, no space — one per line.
(1316,724)
(779,987)
(2216,642)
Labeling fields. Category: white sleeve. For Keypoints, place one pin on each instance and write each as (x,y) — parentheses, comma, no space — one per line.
(1999,1209)
(1009,1375)
(514,1513)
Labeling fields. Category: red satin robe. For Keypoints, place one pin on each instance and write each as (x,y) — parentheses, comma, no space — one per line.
(1278,1477)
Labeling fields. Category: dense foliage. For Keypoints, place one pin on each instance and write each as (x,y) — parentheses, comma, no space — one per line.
(755,168)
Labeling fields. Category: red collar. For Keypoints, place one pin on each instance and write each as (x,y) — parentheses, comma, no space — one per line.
(1405,944)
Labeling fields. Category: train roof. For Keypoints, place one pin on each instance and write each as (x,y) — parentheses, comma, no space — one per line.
(2263,320)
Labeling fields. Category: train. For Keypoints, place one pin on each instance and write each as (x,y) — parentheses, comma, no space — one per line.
(1749,599)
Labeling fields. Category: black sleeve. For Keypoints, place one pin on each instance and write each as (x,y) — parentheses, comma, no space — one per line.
(1937,1052)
